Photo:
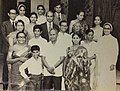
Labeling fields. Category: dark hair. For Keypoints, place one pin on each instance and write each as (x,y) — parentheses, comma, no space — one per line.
(42,7)
(33,13)
(12,9)
(19,33)
(94,20)
(35,47)
(77,33)
(80,12)
(21,22)
(62,22)
(36,27)
(88,31)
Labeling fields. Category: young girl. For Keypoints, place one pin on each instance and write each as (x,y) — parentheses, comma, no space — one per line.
(98,30)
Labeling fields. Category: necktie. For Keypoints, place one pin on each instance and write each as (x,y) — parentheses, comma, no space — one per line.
(59,16)
(50,26)
(13,26)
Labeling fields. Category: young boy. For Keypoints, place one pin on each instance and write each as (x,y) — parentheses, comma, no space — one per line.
(35,69)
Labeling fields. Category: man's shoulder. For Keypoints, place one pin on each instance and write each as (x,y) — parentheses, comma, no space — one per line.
(6,22)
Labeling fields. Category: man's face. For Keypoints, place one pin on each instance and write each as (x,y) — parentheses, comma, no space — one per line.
(12,14)
(37,32)
(35,53)
(53,35)
(49,17)
(58,8)
(40,11)
(33,18)
(63,26)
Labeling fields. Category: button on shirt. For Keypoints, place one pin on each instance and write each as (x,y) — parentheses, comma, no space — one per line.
(53,54)
(40,42)
(34,67)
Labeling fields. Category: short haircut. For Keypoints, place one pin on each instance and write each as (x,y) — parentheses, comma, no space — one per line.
(89,30)
(12,9)
(35,47)
(50,12)
(36,27)
(54,30)
(20,33)
(62,22)
(33,13)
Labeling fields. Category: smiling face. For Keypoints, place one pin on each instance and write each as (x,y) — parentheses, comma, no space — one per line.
(107,29)
(12,14)
(49,16)
(76,39)
(63,27)
(37,33)
(53,35)
(89,36)
(20,26)
(40,10)
(80,17)
(21,38)
(35,53)
(33,18)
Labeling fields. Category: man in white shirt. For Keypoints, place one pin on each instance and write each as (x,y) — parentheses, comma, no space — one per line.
(41,11)
(35,69)
(38,40)
(54,58)
(64,37)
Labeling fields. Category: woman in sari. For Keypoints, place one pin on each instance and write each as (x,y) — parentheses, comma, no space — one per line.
(16,56)
(76,66)
(12,36)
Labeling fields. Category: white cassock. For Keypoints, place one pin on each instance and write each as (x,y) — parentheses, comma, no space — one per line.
(107,53)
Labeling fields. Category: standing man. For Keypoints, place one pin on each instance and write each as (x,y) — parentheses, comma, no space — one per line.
(47,26)
(6,28)
(58,16)
(54,59)
(41,11)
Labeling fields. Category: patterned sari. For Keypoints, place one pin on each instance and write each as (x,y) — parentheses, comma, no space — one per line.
(77,70)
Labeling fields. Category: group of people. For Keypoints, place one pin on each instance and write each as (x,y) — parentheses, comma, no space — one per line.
(44,52)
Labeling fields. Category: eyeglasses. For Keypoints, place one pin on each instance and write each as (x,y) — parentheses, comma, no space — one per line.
(13,13)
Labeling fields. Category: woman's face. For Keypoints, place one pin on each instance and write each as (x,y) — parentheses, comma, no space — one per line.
(40,11)
(90,36)
(80,16)
(33,18)
(107,29)
(76,39)
(22,11)
(97,20)
(21,38)
(20,26)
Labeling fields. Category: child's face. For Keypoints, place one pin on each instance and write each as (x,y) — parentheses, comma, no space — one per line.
(33,18)
(35,53)
(37,32)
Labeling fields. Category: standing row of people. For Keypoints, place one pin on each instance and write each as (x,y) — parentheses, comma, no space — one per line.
(43,55)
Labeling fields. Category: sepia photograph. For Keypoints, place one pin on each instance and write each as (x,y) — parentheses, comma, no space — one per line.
(59,45)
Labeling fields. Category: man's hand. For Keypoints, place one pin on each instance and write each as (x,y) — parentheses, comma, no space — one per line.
(51,70)
(112,67)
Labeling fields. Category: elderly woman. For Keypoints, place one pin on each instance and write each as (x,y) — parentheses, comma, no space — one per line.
(107,57)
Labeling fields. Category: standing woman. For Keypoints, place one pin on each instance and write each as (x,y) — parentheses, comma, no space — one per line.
(21,15)
(98,30)
(81,19)
(107,55)
(90,45)
(29,27)
(76,66)
(16,56)
(12,36)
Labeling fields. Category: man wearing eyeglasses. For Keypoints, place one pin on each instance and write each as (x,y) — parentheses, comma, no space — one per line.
(6,28)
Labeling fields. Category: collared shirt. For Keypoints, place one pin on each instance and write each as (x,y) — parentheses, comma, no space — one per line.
(53,54)
(12,21)
(41,19)
(41,42)
(34,67)
(48,26)
(58,15)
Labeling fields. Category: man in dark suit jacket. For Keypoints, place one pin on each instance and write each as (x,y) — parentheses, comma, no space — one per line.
(47,26)
(58,16)
(6,28)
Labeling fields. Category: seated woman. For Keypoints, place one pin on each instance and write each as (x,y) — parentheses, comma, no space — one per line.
(77,66)
(12,36)
(16,56)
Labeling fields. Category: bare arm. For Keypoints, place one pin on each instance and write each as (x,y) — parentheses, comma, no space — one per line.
(59,62)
